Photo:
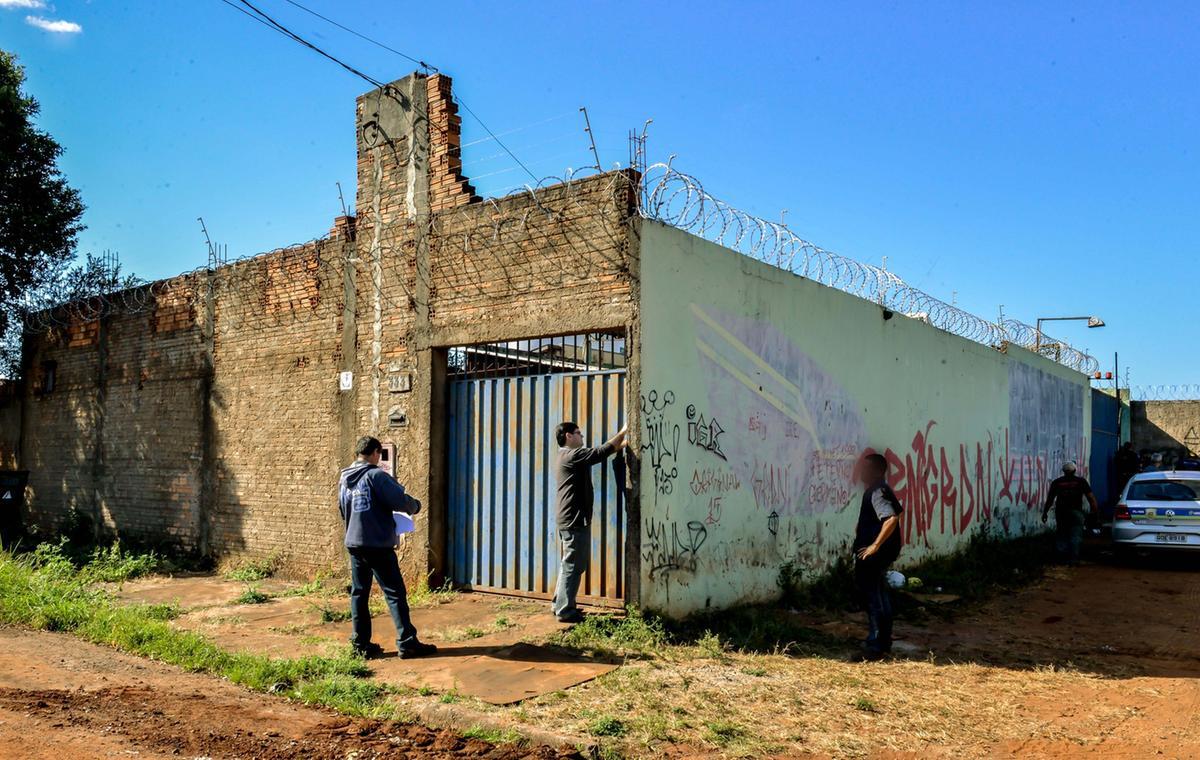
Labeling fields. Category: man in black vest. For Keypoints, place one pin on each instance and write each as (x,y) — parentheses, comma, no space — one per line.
(1067,495)
(876,546)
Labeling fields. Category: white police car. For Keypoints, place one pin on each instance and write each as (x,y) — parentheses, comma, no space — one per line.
(1158,510)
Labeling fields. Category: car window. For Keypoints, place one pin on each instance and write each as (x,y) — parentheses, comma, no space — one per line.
(1164,490)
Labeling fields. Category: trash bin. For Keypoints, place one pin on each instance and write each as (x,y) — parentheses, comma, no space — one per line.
(12,499)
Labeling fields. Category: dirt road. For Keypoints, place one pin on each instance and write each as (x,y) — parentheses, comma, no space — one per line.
(1096,661)
(1136,627)
(63,698)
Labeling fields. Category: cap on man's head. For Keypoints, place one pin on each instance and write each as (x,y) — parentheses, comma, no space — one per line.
(1068,467)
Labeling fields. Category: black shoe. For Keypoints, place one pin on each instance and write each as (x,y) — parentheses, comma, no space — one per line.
(369,651)
(570,617)
(417,649)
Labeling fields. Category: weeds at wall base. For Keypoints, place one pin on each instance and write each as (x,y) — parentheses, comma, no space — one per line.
(987,564)
(44,590)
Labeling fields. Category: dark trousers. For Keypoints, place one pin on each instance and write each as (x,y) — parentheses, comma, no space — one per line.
(1068,534)
(873,593)
(382,564)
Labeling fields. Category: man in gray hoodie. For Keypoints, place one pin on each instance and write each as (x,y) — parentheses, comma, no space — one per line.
(367,496)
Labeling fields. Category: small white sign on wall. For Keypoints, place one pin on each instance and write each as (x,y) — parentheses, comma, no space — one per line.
(346,381)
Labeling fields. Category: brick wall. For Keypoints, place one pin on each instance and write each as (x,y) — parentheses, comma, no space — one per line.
(214,417)
(276,355)
(117,437)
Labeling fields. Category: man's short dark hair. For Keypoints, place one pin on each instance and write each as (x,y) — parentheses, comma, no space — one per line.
(367,446)
(563,430)
(878,462)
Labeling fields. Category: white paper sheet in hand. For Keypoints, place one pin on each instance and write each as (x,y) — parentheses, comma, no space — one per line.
(404,523)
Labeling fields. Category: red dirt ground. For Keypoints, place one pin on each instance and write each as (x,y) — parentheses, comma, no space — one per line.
(64,698)
(1138,628)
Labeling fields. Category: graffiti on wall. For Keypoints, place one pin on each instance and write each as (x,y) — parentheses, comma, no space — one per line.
(949,488)
(704,434)
(784,458)
(797,433)
(660,450)
(666,547)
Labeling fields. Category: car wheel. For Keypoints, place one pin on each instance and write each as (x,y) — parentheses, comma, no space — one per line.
(1123,555)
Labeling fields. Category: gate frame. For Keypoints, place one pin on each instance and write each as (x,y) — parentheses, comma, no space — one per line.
(439,548)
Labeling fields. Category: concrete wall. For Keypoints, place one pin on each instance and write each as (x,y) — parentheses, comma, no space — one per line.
(760,390)
(1169,427)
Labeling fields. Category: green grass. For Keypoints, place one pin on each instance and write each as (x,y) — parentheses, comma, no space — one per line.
(985,565)
(421,595)
(251,571)
(722,733)
(493,735)
(252,595)
(331,615)
(313,587)
(607,725)
(832,589)
(635,632)
(762,629)
(865,704)
(44,590)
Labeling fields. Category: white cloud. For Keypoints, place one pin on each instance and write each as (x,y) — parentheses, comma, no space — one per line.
(22,4)
(58,26)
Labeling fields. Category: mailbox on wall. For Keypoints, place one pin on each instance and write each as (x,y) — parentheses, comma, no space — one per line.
(387,458)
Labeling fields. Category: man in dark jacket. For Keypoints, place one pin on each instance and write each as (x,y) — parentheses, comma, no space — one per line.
(573,468)
(1067,494)
(876,546)
(1126,463)
(367,497)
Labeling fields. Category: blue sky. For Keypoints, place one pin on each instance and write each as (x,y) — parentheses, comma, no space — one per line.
(1043,158)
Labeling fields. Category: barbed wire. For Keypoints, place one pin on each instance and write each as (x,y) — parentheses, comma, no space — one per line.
(578,213)
(1183,392)
(262,286)
(669,196)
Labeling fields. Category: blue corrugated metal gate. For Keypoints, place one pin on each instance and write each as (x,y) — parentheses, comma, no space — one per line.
(1106,439)
(501,482)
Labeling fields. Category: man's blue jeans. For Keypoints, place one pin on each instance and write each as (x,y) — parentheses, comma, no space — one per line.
(382,564)
(576,551)
(872,587)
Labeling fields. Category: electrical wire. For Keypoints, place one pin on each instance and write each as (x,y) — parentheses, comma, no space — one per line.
(362,36)
(346,66)
(272,23)
(512,155)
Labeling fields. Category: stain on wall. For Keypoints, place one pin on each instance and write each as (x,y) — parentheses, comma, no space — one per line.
(762,392)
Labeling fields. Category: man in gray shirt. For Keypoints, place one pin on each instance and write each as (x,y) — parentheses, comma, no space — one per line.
(573,468)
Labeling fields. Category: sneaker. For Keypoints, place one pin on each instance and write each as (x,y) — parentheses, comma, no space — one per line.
(570,617)
(369,651)
(417,649)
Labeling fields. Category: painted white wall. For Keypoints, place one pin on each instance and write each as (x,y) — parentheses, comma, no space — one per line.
(761,390)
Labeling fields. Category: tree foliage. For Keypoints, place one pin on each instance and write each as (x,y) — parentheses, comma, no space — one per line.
(39,211)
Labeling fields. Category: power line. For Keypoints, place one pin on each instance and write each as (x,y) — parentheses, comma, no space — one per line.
(259,15)
(462,103)
(362,36)
(262,17)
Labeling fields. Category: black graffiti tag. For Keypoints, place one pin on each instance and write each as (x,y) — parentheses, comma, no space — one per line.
(666,550)
(662,441)
(703,433)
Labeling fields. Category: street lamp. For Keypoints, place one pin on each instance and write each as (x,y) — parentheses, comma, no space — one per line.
(1091,322)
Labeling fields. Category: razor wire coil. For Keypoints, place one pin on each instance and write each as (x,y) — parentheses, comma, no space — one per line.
(679,200)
